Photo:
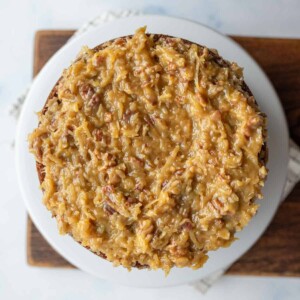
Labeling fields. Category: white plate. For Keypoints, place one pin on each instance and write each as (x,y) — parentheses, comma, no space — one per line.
(266,98)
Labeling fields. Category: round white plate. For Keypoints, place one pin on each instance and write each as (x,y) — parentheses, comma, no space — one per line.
(263,92)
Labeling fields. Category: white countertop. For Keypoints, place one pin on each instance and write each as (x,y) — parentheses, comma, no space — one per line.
(19,20)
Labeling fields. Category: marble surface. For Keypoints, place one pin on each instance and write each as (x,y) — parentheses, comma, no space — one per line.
(19,19)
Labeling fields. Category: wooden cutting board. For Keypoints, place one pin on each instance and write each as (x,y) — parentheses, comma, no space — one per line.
(277,253)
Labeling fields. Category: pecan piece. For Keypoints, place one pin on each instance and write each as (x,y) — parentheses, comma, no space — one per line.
(94,101)
(186,225)
(110,160)
(86,91)
(131,200)
(108,189)
(88,94)
(217,204)
(98,134)
(107,208)
(99,60)
(149,120)
(179,172)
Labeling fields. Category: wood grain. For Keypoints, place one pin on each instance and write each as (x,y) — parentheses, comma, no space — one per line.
(277,253)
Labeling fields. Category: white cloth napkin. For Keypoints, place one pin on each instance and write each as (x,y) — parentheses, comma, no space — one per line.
(294,151)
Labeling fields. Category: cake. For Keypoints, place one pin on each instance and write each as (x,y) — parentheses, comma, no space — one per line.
(151,151)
